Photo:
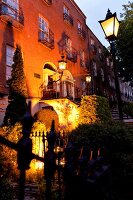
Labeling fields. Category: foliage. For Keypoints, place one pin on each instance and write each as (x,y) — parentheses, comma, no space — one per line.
(103,109)
(10,162)
(46,116)
(17,91)
(6,191)
(94,109)
(128,108)
(8,166)
(124,43)
(117,139)
(38,126)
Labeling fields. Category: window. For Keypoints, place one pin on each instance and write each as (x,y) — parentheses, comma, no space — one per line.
(92,41)
(66,10)
(9,61)
(11,8)
(68,43)
(100,50)
(43,29)
(93,48)
(83,86)
(110,83)
(81,31)
(107,61)
(80,27)
(82,58)
(102,74)
(66,15)
(95,68)
(50,83)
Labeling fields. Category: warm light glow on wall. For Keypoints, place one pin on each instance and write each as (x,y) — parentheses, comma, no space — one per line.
(67,112)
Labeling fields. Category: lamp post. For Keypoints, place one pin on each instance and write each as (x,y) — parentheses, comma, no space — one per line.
(110,27)
(62,66)
(62,63)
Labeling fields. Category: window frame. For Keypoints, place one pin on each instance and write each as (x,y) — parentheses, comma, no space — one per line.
(9,61)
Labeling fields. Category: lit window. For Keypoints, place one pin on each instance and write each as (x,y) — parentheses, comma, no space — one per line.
(9,61)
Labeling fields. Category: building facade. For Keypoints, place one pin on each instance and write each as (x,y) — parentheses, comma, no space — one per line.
(47,30)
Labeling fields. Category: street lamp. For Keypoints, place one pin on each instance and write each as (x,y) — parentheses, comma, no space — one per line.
(88,80)
(110,27)
(62,63)
(62,66)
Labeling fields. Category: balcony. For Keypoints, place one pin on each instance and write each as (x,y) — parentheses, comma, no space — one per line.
(71,54)
(46,38)
(82,33)
(68,19)
(11,15)
(48,2)
(85,63)
(101,57)
(93,49)
(50,94)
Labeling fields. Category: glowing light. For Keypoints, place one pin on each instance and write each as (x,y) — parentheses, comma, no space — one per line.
(67,112)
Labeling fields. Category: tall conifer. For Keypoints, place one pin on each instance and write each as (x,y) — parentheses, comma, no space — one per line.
(17,91)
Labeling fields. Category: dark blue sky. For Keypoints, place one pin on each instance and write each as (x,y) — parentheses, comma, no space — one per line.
(96,10)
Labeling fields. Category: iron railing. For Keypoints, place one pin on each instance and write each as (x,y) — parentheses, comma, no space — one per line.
(11,14)
(93,49)
(68,18)
(50,94)
(47,38)
(81,33)
(71,54)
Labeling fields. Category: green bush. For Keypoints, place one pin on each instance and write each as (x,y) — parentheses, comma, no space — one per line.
(6,190)
(128,108)
(94,109)
(117,139)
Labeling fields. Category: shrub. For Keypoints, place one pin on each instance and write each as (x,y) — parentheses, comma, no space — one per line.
(11,133)
(128,108)
(117,138)
(94,109)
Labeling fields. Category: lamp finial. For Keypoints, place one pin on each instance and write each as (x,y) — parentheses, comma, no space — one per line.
(109,14)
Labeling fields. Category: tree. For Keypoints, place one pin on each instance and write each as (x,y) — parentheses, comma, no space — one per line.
(124,44)
(17,91)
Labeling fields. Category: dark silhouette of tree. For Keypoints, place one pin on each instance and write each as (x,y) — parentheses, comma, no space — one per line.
(17,91)
(124,44)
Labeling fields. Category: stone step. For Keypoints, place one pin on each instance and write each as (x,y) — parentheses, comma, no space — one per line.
(31,191)
(115,115)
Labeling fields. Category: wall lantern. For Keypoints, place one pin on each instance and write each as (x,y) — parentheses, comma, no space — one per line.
(62,63)
(110,26)
(88,78)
